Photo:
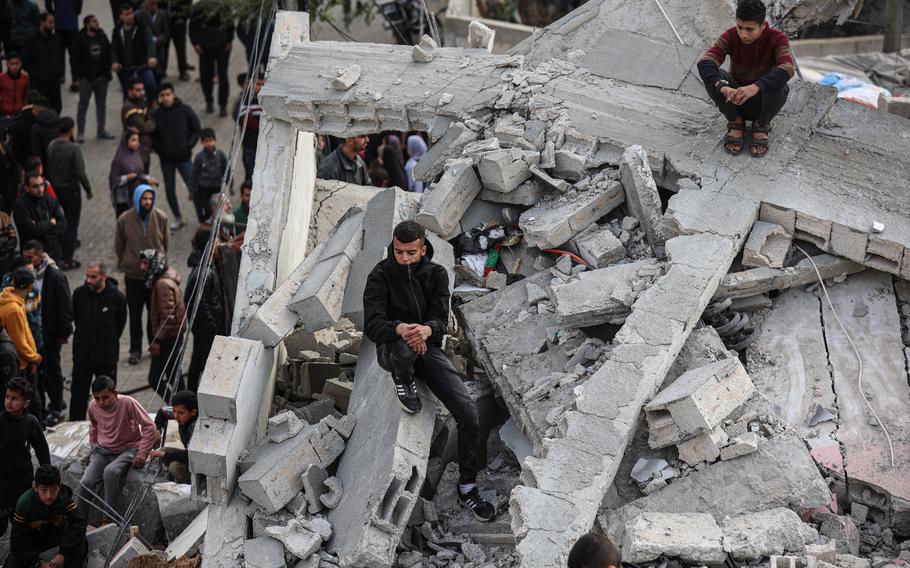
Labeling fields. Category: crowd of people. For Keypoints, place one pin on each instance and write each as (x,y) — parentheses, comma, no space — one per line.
(44,178)
(377,160)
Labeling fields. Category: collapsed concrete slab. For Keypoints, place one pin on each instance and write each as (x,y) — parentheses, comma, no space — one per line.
(780,474)
(559,217)
(274,478)
(564,486)
(762,280)
(697,402)
(641,195)
(867,307)
(601,296)
(788,363)
(693,538)
(388,447)
(319,298)
(761,534)
(230,396)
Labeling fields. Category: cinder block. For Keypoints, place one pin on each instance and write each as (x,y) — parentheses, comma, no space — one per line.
(768,245)
(741,446)
(228,361)
(340,391)
(456,137)
(697,402)
(570,165)
(884,255)
(786,218)
(274,479)
(849,243)
(448,199)
(814,230)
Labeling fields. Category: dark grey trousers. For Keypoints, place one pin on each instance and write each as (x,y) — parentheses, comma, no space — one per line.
(762,108)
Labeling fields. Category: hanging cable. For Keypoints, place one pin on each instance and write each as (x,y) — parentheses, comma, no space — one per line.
(666,17)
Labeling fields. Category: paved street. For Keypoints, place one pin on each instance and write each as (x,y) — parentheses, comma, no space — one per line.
(96,229)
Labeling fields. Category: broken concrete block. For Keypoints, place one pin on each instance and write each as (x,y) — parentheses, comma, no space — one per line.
(480,36)
(344,425)
(641,194)
(703,448)
(814,230)
(448,199)
(849,243)
(274,478)
(549,181)
(741,446)
(778,531)
(450,146)
(695,211)
(697,402)
(884,255)
(558,218)
(283,426)
(224,535)
(598,246)
(319,298)
(515,440)
(693,538)
(297,538)
(591,299)
(190,540)
(334,493)
(263,552)
(528,193)
(346,77)
(786,218)
(503,170)
(768,245)
(425,50)
(780,474)
(328,447)
(843,531)
(389,448)
(570,165)
(313,479)
(762,280)
(176,507)
(340,391)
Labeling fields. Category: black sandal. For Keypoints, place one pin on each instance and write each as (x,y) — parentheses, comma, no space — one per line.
(730,139)
(766,143)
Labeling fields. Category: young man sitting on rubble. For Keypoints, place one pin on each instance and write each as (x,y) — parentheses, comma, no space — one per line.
(594,551)
(184,409)
(46,517)
(406,314)
(120,435)
(756,87)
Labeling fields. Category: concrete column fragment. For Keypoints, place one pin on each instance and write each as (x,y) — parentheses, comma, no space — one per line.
(598,296)
(693,538)
(388,447)
(768,245)
(448,199)
(559,217)
(318,301)
(697,402)
(641,195)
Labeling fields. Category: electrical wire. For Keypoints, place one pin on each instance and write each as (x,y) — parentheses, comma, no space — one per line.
(666,17)
(859,359)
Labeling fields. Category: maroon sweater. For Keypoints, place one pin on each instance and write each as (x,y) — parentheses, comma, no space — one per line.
(766,62)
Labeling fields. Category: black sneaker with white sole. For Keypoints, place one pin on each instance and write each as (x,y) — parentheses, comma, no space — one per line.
(407,395)
(482,510)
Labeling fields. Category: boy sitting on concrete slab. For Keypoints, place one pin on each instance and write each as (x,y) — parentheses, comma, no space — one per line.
(756,87)
(185,410)
(46,517)
(121,434)
(20,434)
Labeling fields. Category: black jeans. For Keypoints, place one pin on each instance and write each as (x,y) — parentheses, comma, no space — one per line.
(437,371)
(70,199)
(83,375)
(209,59)
(762,108)
(163,367)
(178,36)
(51,90)
(69,42)
(52,379)
(202,346)
(137,297)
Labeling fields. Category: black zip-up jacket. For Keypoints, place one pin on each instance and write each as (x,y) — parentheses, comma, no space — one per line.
(100,318)
(45,130)
(33,220)
(18,436)
(186,434)
(56,305)
(44,57)
(397,294)
(132,48)
(176,132)
(92,55)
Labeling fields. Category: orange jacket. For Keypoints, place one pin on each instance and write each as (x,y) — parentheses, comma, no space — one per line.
(12,318)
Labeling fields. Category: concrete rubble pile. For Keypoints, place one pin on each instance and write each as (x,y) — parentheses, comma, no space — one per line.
(652,353)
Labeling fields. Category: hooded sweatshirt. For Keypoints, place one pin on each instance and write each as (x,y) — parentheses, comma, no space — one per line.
(396,294)
(137,231)
(416,149)
(12,318)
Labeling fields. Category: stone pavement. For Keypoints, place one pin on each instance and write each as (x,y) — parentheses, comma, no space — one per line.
(96,227)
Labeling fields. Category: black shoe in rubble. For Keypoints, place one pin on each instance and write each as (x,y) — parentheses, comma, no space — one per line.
(407,395)
(482,510)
